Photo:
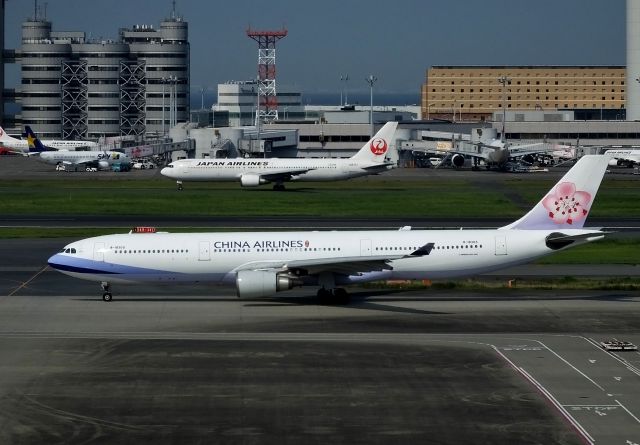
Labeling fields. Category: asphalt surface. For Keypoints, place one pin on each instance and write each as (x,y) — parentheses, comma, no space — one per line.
(194,364)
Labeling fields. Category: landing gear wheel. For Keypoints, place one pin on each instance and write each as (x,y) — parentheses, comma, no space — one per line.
(106,291)
(333,296)
(179,186)
(278,187)
(340,296)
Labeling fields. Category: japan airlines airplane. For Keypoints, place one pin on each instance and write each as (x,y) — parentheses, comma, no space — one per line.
(252,172)
(74,159)
(25,146)
(627,158)
(260,264)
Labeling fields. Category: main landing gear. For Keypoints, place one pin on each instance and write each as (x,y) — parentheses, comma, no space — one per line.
(336,295)
(106,291)
(278,187)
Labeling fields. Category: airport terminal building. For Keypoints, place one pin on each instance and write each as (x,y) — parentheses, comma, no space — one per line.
(76,87)
(474,93)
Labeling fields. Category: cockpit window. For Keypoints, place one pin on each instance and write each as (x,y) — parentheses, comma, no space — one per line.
(170,165)
(68,250)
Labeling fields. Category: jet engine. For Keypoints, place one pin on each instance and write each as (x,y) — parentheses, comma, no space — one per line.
(457,160)
(613,162)
(529,159)
(103,165)
(263,283)
(251,180)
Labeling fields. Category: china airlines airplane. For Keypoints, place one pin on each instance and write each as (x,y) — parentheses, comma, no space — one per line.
(26,146)
(260,264)
(252,172)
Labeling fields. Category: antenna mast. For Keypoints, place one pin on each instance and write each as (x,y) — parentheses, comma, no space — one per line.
(267,99)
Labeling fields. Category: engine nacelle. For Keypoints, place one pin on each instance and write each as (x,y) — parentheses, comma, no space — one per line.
(103,165)
(251,180)
(613,162)
(528,159)
(457,160)
(262,283)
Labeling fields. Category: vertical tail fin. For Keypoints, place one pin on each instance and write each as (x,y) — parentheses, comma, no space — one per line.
(4,137)
(35,146)
(568,203)
(377,147)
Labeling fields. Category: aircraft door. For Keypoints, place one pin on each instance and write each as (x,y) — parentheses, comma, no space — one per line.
(98,251)
(365,247)
(501,245)
(204,253)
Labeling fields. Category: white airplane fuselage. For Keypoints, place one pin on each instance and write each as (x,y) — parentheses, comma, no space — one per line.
(103,159)
(263,263)
(251,171)
(23,145)
(217,257)
(623,157)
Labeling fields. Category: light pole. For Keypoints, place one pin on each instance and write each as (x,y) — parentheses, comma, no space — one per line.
(164,82)
(202,91)
(504,81)
(345,79)
(170,84)
(428,109)
(173,101)
(371,79)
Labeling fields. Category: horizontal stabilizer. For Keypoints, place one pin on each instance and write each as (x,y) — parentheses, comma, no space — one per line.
(558,240)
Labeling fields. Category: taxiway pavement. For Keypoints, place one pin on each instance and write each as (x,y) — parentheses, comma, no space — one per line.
(196,365)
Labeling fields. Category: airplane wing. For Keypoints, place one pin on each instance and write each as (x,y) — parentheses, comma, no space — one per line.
(339,265)
(284,175)
(70,163)
(383,166)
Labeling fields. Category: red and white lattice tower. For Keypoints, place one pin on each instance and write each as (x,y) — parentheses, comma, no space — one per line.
(267,99)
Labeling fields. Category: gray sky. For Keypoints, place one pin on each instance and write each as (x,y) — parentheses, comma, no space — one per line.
(395,40)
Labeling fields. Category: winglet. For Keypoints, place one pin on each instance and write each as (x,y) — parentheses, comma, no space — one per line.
(568,203)
(378,146)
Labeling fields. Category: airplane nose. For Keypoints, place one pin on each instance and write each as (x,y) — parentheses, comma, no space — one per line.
(167,172)
(54,261)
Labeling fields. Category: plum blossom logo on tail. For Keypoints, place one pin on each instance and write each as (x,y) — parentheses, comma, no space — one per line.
(378,146)
(566,204)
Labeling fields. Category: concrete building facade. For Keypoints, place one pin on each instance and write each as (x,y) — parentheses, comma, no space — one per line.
(239,99)
(475,92)
(77,88)
(2,62)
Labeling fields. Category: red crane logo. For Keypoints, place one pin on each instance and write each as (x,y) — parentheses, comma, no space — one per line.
(378,146)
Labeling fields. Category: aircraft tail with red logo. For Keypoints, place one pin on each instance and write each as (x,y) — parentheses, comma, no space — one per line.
(4,137)
(377,148)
